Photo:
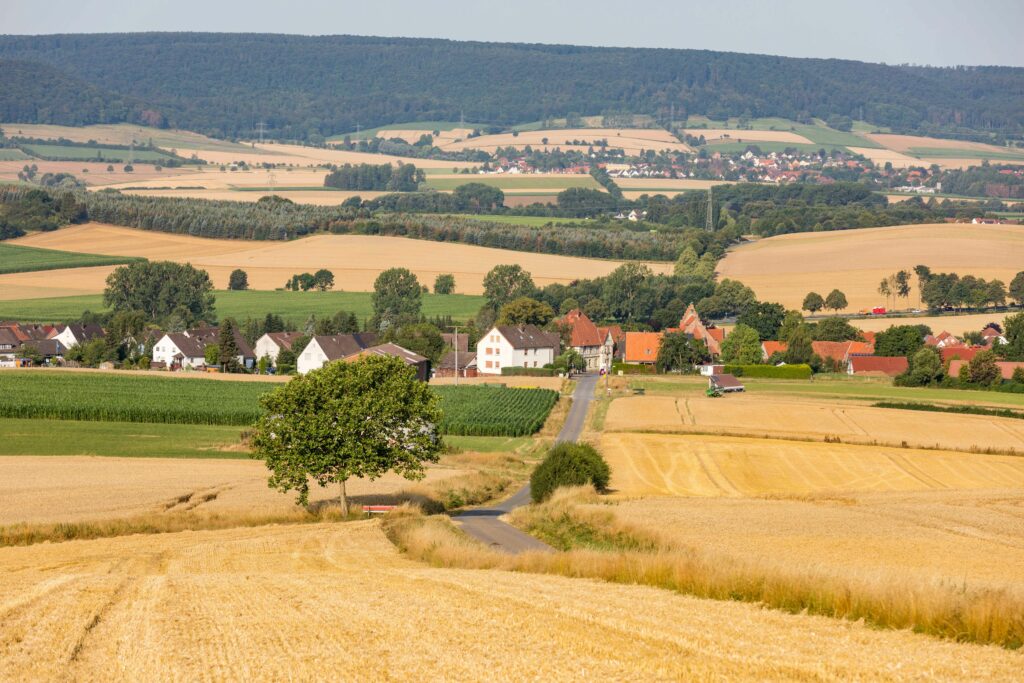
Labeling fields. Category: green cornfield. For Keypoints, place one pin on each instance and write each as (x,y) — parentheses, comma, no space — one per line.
(494,410)
(124,398)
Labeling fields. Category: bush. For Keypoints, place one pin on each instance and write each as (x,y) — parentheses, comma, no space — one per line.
(633,369)
(770,371)
(569,464)
(528,372)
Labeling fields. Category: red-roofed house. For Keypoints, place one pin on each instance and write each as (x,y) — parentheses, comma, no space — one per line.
(942,340)
(642,347)
(840,352)
(1006,368)
(587,340)
(869,337)
(966,353)
(877,365)
(618,339)
(992,336)
(770,348)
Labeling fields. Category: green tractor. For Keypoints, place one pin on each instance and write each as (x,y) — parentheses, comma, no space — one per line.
(713,392)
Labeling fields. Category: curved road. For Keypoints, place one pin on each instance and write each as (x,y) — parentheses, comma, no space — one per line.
(484,524)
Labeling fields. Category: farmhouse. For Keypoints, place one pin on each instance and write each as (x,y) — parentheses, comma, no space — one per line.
(942,340)
(271,344)
(187,350)
(841,352)
(770,348)
(414,360)
(642,347)
(324,348)
(505,346)
(72,335)
(692,325)
(966,353)
(466,364)
(586,339)
(992,336)
(877,365)
(618,340)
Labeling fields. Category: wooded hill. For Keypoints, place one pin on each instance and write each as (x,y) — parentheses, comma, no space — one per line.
(309,87)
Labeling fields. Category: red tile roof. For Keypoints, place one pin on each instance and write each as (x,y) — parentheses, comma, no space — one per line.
(583,331)
(879,365)
(1006,368)
(770,348)
(967,353)
(642,347)
(840,352)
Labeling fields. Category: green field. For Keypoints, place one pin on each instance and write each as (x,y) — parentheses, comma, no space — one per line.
(515,182)
(941,153)
(124,439)
(819,134)
(12,155)
(297,306)
(483,410)
(16,259)
(767,146)
(425,126)
(112,154)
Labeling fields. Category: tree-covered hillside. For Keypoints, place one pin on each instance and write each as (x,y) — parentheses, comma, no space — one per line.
(304,87)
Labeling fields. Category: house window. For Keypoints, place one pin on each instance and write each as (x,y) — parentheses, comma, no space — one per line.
(497,363)
(489,351)
(489,364)
(535,365)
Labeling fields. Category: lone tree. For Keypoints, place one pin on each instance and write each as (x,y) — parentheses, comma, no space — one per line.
(836,300)
(160,288)
(444,284)
(360,419)
(397,298)
(813,302)
(238,280)
(324,279)
(228,347)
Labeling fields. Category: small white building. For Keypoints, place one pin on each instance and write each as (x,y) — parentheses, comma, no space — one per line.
(505,346)
(179,351)
(325,348)
(73,335)
(271,344)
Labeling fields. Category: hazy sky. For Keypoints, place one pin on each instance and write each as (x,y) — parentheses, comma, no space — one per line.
(938,32)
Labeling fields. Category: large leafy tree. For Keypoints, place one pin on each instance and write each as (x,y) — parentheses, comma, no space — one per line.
(525,311)
(238,280)
(742,346)
(324,279)
(422,338)
(360,419)
(397,298)
(798,346)
(160,288)
(1016,289)
(1014,333)
(836,300)
(679,352)
(899,340)
(626,291)
(227,346)
(764,317)
(835,329)
(813,302)
(506,283)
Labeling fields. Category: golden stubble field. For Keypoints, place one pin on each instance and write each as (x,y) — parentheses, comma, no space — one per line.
(338,601)
(733,135)
(632,140)
(787,267)
(355,260)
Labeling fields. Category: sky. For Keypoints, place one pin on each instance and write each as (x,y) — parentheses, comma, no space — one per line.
(935,32)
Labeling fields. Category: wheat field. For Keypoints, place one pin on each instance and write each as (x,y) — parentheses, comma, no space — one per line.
(785,268)
(632,140)
(355,260)
(338,601)
(734,135)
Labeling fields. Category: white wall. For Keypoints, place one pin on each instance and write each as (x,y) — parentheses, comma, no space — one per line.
(265,346)
(165,350)
(66,338)
(310,358)
(494,352)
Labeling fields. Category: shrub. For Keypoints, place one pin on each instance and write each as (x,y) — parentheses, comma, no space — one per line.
(569,464)
(770,371)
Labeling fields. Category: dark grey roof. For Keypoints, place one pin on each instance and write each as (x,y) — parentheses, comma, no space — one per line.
(529,337)
(46,347)
(395,350)
(284,340)
(8,338)
(466,359)
(726,382)
(449,340)
(338,346)
(84,333)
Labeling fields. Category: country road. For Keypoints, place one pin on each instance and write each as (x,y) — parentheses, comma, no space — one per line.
(484,524)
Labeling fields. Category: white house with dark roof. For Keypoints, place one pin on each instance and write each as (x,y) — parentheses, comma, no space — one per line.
(325,348)
(271,344)
(74,334)
(506,346)
(187,350)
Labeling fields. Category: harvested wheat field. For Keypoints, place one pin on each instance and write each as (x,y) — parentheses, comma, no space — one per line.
(787,267)
(972,538)
(632,140)
(717,466)
(338,601)
(298,155)
(355,260)
(909,143)
(954,324)
(47,489)
(412,135)
(120,134)
(882,156)
(734,135)
(753,415)
(98,176)
(41,284)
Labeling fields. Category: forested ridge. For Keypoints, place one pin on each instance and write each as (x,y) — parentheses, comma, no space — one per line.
(309,87)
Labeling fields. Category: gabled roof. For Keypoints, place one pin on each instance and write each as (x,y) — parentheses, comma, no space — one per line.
(583,331)
(726,382)
(190,347)
(338,346)
(1006,368)
(618,336)
(449,340)
(83,333)
(389,349)
(642,347)
(840,352)
(528,337)
(467,359)
(884,365)
(948,353)
(8,338)
(284,340)
(193,343)
(770,348)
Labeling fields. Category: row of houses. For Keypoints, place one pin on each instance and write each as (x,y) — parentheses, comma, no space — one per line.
(48,341)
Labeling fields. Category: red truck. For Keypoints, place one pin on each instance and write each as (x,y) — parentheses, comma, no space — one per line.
(878,311)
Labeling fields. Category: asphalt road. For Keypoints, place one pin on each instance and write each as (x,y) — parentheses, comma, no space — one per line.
(484,524)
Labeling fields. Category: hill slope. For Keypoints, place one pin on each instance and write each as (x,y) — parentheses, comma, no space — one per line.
(310,86)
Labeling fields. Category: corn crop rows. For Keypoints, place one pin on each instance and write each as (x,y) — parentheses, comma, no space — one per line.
(494,411)
(115,398)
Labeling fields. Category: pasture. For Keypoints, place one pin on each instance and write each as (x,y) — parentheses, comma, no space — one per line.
(355,260)
(83,611)
(110,154)
(785,268)
(17,259)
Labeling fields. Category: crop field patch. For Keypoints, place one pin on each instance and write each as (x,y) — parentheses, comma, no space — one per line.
(18,259)
(110,154)
(494,411)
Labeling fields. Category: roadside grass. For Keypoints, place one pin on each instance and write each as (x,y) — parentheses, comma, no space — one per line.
(487,444)
(601,547)
(294,306)
(18,259)
(119,439)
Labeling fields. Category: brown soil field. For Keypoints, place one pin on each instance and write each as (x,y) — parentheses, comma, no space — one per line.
(120,134)
(787,267)
(632,140)
(355,260)
(971,538)
(753,415)
(735,467)
(337,600)
(732,135)
(904,143)
(98,176)
(45,489)
(881,156)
